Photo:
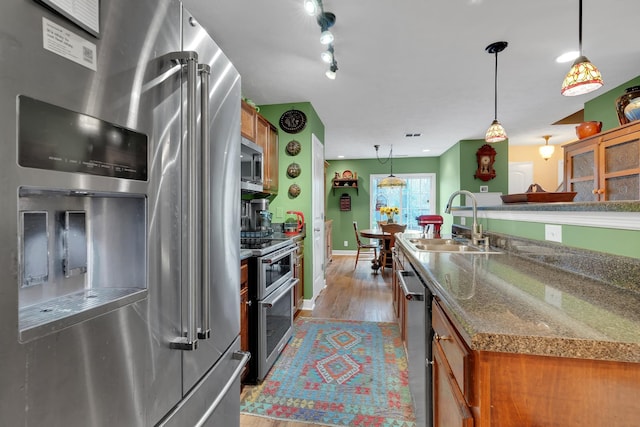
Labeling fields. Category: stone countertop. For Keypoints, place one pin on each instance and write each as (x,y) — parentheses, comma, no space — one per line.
(508,303)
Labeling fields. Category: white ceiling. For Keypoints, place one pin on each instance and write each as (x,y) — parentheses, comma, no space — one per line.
(420,66)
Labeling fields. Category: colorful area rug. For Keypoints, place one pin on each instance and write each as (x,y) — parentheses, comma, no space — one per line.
(337,373)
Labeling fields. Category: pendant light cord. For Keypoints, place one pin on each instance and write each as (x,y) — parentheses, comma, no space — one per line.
(495,91)
(580,26)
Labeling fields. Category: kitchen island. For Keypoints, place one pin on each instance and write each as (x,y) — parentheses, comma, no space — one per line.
(522,341)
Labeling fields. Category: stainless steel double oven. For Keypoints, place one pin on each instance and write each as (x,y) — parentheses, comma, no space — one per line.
(271,293)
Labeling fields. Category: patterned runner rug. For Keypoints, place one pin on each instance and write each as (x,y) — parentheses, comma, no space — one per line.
(337,373)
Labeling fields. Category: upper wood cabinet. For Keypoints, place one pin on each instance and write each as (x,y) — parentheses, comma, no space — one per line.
(605,166)
(267,138)
(258,129)
(248,121)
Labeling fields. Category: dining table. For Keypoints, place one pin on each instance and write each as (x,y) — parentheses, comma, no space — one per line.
(377,233)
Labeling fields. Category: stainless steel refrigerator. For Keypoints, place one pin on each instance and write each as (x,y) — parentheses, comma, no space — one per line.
(119,217)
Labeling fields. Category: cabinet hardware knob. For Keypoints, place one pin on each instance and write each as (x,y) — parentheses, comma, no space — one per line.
(439,337)
(248,303)
(600,191)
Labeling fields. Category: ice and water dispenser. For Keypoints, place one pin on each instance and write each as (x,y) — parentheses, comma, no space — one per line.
(82,249)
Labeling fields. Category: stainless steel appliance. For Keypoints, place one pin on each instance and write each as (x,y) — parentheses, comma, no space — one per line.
(119,300)
(259,215)
(418,299)
(271,292)
(251,166)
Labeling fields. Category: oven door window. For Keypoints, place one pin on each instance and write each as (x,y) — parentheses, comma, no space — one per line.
(276,272)
(278,320)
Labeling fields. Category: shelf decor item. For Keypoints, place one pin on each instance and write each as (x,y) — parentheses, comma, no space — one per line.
(587,129)
(628,105)
(293,148)
(293,121)
(293,170)
(294,190)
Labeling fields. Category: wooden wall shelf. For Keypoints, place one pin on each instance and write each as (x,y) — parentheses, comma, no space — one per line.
(344,184)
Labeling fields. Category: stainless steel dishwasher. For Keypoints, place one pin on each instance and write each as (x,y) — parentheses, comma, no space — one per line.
(418,338)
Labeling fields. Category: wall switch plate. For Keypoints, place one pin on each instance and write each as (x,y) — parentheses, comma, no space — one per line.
(346,243)
(553,232)
(484,188)
(280,212)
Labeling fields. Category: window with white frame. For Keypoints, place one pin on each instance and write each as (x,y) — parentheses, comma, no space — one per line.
(417,198)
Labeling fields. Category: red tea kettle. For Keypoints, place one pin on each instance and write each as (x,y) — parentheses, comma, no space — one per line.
(299,222)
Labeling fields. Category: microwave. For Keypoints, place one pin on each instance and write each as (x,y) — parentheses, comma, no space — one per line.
(251,167)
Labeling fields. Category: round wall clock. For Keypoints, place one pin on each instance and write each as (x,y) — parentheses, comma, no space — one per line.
(293,121)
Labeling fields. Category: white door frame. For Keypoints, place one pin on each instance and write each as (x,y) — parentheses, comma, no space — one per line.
(317,220)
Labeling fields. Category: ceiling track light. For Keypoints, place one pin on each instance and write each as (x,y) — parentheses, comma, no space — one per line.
(496,132)
(325,20)
(583,77)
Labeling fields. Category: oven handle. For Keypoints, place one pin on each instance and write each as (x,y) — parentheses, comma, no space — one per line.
(269,301)
(411,294)
(275,256)
(204,331)
(189,340)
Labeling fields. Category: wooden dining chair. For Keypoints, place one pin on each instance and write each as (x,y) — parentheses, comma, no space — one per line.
(362,245)
(390,242)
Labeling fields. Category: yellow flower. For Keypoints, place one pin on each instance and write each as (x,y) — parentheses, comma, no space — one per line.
(389,210)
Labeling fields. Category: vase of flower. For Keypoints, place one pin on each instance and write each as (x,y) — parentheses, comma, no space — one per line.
(390,212)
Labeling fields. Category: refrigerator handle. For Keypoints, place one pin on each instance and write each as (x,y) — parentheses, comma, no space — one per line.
(243,357)
(205,329)
(190,340)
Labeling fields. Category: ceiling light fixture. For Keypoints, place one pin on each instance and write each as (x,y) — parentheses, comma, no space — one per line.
(311,7)
(325,20)
(327,55)
(391,180)
(546,150)
(496,132)
(583,77)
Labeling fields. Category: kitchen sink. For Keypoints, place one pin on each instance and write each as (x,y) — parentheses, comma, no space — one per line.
(448,245)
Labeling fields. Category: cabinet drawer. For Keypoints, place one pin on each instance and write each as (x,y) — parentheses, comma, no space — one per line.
(457,354)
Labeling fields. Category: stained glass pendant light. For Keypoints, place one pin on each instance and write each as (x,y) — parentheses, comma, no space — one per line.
(391,180)
(583,77)
(496,132)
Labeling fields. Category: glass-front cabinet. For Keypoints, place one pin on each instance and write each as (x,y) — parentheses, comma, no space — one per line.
(605,166)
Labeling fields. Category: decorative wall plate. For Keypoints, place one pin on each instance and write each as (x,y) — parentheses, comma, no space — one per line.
(347,174)
(294,190)
(293,170)
(293,121)
(293,148)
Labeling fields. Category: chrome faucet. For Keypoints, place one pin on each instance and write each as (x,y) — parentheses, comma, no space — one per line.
(476,229)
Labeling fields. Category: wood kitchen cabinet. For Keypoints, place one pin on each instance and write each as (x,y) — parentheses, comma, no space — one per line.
(298,272)
(605,166)
(248,116)
(244,309)
(399,306)
(499,389)
(267,138)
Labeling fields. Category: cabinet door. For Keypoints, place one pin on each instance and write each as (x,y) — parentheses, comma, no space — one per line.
(248,121)
(581,166)
(620,168)
(449,407)
(244,310)
(273,158)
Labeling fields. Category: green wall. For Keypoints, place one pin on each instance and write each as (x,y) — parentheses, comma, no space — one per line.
(283,202)
(343,221)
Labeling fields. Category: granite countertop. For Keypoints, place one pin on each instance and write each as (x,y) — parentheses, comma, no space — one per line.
(509,303)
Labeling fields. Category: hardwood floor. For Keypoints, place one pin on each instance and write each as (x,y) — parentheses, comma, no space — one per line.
(350,294)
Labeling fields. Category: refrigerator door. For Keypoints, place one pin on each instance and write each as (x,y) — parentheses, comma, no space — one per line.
(218,298)
(116,368)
